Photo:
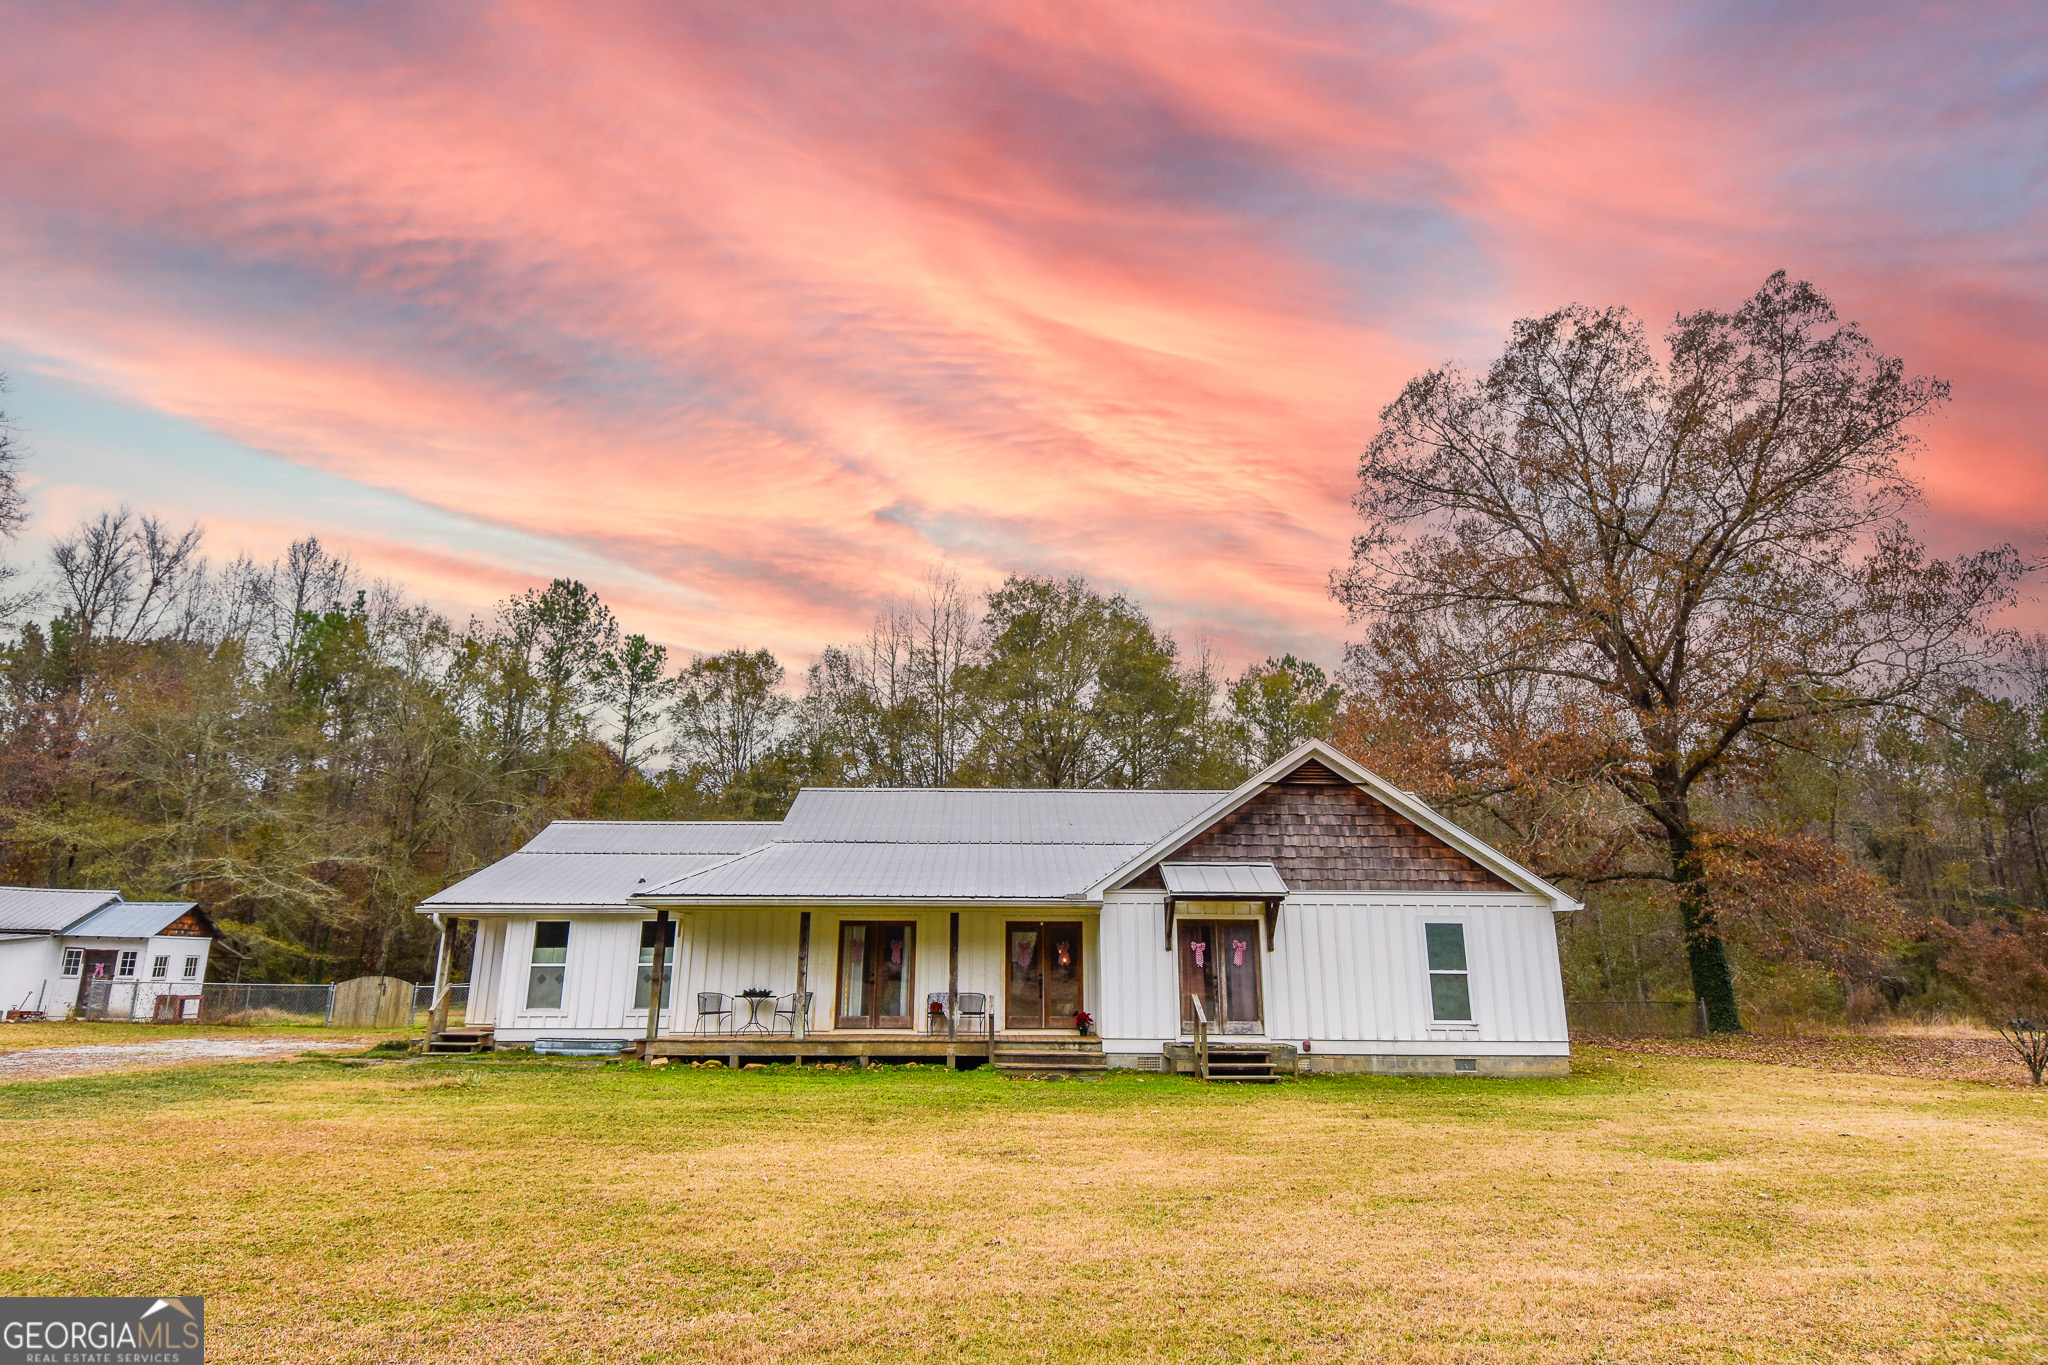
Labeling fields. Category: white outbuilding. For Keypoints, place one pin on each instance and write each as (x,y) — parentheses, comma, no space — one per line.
(89,953)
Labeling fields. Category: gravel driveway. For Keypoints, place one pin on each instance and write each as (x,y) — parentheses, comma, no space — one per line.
(90,1059)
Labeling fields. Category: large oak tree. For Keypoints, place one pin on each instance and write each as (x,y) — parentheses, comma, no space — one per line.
(1672,561)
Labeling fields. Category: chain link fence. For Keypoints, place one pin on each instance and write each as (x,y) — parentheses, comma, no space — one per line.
(458,1002)
(259,1002)
(1636,1018)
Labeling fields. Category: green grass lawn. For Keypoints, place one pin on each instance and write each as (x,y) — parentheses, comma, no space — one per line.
(1647,1208)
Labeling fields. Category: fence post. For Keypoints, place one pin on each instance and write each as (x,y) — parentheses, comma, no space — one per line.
(327,1019)
(1700,1009)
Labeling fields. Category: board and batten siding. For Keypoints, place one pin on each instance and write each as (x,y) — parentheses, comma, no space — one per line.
(597,985)
(1349,973)
(486,971)
(728,951)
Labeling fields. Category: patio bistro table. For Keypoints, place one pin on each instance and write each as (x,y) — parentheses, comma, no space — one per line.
(757,1005)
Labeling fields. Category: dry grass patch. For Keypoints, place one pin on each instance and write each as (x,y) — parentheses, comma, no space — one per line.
(108,1032)
(1646,1208)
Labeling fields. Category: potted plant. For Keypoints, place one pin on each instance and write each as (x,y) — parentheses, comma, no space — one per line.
(1084,1021)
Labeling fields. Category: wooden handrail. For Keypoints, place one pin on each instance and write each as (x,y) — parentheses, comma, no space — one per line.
(1201,1036)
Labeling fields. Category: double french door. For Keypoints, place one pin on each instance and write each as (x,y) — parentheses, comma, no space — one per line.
(876,979)
(1219,962)
(1042,970)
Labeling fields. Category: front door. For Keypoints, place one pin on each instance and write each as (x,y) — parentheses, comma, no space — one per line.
(1219,961)
(1043,968)
(98,967)
(875,976)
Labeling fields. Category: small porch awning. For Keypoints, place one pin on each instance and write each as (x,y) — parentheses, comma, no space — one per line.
(1223,881)
(1206,881)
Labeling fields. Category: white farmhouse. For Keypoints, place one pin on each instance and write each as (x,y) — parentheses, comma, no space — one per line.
(91,954)
(1314,918)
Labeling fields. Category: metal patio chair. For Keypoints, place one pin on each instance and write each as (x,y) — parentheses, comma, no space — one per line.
(972,1006)
(788,1007)
(713,1006)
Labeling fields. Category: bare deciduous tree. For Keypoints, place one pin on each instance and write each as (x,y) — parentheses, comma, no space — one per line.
(1667,561)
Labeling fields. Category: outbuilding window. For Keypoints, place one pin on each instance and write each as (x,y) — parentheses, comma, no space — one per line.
(127,965)
(550,964)
(74,961)
(191,968)
(159,968)
(1450,985)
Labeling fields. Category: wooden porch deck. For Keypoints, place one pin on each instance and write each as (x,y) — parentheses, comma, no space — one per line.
(844,1046)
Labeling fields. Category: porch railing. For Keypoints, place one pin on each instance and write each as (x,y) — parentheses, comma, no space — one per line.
(1201,1036)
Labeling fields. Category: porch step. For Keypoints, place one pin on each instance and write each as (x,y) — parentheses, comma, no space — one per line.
(481,1038)
(1241,1065)
(1049,1057)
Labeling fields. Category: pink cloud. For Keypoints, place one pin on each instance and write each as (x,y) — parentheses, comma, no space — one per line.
(760,310)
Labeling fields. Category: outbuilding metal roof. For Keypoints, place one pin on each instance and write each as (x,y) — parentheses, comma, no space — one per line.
(601,862)
(1253,881)
(131,919)
(44,910)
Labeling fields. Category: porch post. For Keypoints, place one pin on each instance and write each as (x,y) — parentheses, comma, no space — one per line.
(953,980)
(654,1002)
(437,1013)
(799,1021)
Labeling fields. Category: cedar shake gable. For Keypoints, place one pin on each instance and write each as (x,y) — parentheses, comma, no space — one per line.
(1325,834)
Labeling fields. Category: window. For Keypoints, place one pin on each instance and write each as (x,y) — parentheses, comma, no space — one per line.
(74,961)
(1450,986)
(159,968)
(643,985)
(127,967)
(191,968)
(550,956)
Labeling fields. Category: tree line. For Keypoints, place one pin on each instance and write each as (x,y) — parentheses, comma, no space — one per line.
(1657,625)
(309,753)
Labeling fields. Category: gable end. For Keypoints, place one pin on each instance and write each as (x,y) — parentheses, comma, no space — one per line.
(1324,834)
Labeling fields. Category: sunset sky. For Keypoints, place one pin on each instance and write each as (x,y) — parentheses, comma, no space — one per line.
(745,313)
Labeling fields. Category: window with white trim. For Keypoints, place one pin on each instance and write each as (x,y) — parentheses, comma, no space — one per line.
(159,968)
(1450,983)
(191,968)
(74,961)
(127,965)
(549,965)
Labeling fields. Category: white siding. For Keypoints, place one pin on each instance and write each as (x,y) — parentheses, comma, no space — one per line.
(30,971)
(728,951)
(1349,973)
(486,971)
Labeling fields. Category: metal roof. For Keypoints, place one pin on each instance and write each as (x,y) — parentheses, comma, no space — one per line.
(601,862)
(902,871)
(131,919)
(942,843)
(46,910)
(1253,881)
(987,815)
(652,836)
